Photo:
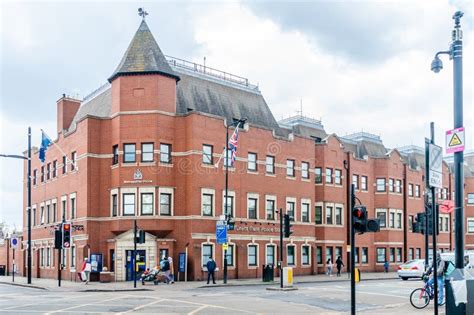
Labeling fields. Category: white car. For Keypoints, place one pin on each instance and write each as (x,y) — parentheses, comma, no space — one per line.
(411,269)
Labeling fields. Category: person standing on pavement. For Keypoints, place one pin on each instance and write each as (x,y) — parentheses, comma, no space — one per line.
(211,268)
(171,273)
(86,269)
(339,265)
(385,266)
(329,267)
(165,267)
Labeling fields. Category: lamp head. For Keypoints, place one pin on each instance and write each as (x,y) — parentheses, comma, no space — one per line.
(436,65)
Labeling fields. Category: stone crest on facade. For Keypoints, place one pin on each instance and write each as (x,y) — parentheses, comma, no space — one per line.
(137,175)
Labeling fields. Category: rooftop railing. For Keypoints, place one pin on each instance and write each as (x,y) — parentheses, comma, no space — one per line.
(210,72)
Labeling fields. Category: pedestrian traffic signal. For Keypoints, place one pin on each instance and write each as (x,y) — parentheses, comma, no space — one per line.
(361,223)
(287,225)
(66,235)
(58,239)
(141,237)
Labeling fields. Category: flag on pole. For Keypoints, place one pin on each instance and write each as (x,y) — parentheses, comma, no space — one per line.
(232,146)
(45,142)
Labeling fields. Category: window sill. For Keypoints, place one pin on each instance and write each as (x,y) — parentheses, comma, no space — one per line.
(205,165)
(318,184)
(165,164)
(252,267)
(290,177)
(270,175)
(129,164)
(252,172)
(151,163)
(306,266)
(307,180)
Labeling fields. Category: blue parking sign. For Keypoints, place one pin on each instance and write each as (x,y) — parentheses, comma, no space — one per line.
(221,232)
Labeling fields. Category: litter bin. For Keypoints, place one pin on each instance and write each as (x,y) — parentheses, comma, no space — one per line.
(267,274)
(2,270)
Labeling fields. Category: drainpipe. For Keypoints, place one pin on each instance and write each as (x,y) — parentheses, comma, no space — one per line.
(405,214)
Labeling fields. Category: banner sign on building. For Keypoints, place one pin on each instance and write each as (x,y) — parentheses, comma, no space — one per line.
(455,140)
(221,232)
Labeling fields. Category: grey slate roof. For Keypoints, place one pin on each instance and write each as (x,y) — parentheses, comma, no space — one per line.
(143,55)
(198,94)
(99,106)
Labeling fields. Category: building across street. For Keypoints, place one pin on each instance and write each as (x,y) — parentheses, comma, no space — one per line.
(145,146)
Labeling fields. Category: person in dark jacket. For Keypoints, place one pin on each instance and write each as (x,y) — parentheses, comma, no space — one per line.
(339,265)
(211,267)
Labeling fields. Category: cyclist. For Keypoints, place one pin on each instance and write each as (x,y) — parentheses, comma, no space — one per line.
(440,270)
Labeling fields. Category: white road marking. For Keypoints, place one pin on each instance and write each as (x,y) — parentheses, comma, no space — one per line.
(141,306)
(213,306)
(81,305)
(375,293)
(198,309)
(46,302)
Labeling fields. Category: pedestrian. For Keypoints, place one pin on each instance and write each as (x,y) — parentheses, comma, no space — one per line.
(165,267)
(441,269)
(171,274)
(386,265)
(329,267)
(339,265)
(211,268)
(86,269)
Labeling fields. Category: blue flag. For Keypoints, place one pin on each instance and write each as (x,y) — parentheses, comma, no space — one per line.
(45,142)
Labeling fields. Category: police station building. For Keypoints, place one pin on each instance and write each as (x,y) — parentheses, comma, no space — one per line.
(145,145)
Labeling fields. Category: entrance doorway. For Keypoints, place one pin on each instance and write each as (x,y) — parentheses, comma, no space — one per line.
(141,264)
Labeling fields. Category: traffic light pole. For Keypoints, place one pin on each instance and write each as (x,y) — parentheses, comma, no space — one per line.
(427,184)
(29,206)
(353,292)
(226,199)
(281,248)
(435,229)
(135,253)
(59,267)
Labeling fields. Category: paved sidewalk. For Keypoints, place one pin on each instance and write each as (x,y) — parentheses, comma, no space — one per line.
(52,284)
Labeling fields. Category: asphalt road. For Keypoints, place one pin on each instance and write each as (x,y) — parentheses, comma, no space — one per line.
(373,297)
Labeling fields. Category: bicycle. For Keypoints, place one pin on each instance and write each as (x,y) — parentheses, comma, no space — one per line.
(421,297)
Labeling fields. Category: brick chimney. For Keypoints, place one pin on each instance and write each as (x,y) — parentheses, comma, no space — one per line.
(67,109)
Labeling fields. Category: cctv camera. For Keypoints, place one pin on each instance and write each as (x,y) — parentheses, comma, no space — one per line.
(436,65)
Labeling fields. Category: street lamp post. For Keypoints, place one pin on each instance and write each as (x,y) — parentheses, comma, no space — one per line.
(455,53)
(28,198)
(228,216)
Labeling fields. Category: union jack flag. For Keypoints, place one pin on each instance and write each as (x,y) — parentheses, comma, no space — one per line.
(233,144)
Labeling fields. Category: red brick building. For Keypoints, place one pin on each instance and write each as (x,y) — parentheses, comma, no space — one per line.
(144,147)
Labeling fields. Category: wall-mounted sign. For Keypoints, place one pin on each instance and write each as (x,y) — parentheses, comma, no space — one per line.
(137,175)
(137,178)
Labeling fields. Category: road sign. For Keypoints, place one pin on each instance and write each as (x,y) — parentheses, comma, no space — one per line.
(221,232)
(14,241)
(436,166)
(225,246)
(455,140)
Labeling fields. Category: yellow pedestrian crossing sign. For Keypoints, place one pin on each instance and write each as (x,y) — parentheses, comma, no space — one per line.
(455,140)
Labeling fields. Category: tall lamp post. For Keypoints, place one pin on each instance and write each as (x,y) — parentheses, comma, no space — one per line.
(455,53)
(228,216)
(28,197)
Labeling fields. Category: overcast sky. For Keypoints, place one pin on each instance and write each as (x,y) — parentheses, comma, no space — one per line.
(357,65)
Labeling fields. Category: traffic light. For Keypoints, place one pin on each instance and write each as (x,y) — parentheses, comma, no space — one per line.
(287,225)
(58,239)
(418,226)
(66,235)
(141,237)
(430,218)
(363,224)
(230,224)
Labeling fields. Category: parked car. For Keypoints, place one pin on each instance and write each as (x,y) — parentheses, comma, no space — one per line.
(412,269)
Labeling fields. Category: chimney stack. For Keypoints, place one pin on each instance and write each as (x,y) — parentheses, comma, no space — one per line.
(66,110)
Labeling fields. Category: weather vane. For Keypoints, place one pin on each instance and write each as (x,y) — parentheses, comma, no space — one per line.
(142,13)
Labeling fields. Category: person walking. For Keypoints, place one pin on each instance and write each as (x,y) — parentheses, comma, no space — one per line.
(329,267)
(385,266)
(165,267)
(86,269)
(339,265)
(211,268)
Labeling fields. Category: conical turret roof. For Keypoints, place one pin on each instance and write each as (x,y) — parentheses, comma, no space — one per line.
(143,56)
